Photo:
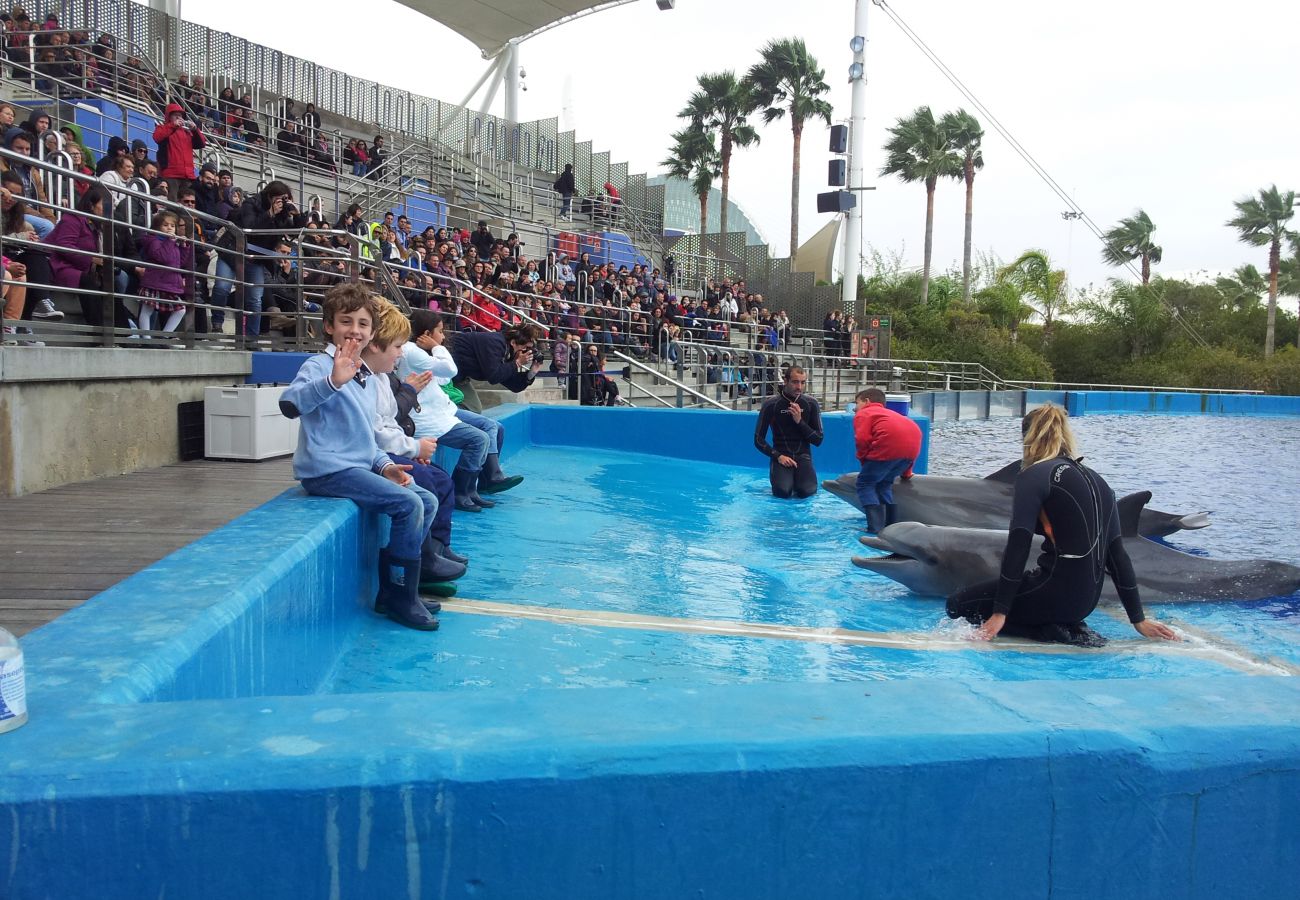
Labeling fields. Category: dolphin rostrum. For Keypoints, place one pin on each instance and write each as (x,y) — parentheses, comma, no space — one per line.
(937,561)
(983,502)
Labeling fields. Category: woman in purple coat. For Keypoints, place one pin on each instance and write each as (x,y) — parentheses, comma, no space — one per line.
(84,270)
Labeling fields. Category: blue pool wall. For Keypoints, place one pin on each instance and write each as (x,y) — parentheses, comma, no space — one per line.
(249,785)
(1082,403)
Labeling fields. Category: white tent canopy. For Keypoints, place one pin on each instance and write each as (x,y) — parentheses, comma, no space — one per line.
(491,24)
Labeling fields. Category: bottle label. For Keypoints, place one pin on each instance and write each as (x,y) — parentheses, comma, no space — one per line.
(13,688)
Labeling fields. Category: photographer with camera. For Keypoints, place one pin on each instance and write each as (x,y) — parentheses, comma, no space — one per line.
(177,138)
(270,209)
(510,358)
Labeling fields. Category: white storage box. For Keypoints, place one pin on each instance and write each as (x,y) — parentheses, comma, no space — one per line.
(245,422)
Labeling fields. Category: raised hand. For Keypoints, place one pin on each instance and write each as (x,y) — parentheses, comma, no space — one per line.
(347,362)
(419,380)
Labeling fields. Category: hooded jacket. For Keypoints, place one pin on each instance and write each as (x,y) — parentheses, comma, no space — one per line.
(106,163)
(33,184)
(176,145)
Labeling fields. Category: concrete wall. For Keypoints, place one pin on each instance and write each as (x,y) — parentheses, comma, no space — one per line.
(71,414)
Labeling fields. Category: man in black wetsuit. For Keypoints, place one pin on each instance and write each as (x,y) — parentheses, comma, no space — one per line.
(796,423)
(1074,509)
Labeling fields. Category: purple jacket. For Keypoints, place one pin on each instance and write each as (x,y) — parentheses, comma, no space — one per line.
(164,252)
(76,233)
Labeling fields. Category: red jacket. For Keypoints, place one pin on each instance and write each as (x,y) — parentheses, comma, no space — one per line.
(881,433)
(181,144)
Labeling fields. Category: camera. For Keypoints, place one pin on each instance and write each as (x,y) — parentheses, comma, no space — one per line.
(539,355)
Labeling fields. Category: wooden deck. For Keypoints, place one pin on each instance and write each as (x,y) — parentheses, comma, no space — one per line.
(60,547)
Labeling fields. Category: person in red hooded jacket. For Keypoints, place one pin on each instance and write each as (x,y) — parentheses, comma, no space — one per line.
(177,139)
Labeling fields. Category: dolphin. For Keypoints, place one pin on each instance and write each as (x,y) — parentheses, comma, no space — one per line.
(983,502)
(937,561)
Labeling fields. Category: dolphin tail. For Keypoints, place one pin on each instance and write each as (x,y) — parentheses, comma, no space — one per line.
(1193,521)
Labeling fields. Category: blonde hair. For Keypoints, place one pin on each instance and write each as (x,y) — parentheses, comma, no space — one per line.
(1047,435)
(391,326)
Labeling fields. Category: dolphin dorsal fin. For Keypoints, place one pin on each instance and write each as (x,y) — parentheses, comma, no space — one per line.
(1130,508)
(1007,474)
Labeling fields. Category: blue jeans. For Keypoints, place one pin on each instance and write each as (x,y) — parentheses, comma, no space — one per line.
(876,480)
(491,427)
(411,508)
(436,482)
(43,226)
(471,442)
(566,204)
(255,275)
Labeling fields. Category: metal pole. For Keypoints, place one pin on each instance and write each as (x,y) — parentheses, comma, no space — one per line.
(852,265)
(512,84)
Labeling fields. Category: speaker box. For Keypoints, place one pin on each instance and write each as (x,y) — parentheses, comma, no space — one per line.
(839,138)
(836,172)
(836,201)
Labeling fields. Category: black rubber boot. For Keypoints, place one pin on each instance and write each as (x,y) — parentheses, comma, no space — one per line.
(493,480)
(891,513)
(477,486)
(434,567)
(875,517)
(399,582)
(448,553)
(464,484)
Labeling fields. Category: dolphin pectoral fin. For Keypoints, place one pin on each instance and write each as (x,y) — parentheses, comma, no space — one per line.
(1193,521)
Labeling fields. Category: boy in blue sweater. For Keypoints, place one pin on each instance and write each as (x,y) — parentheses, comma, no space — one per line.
(337,455)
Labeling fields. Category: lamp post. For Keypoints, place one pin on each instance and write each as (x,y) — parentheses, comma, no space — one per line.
(852,264)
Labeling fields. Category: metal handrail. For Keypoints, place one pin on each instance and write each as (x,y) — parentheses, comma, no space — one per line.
(1052,385)
(659,375)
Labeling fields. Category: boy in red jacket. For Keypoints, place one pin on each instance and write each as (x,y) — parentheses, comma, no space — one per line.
(888,444)
(177,139)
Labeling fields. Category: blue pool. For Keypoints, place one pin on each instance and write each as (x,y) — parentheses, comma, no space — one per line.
(659,681)
(621,533)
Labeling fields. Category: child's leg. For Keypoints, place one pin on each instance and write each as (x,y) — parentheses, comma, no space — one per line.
(146,317)
(376,493)
(174,320)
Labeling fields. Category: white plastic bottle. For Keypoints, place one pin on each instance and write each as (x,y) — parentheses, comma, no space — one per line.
(13,688)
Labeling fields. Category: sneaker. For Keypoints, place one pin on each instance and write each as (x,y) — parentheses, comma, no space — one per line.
(30,342)
(10,334)
(45,310)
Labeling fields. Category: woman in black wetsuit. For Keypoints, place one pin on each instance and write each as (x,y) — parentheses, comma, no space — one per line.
(1074,509)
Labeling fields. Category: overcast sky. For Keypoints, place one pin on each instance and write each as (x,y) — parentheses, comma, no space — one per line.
(1178,108)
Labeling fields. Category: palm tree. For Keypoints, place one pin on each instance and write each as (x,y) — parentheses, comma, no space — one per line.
(1262,221)
(1136,311)
(788,80)
(722,104)
(1040,284)
(965,132)
(1130,239)
(1243,288)
(920,150)
(694,158)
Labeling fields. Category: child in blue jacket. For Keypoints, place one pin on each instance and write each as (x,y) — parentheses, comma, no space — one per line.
(337,455)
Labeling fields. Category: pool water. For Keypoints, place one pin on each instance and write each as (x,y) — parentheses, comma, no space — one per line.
(600,540)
